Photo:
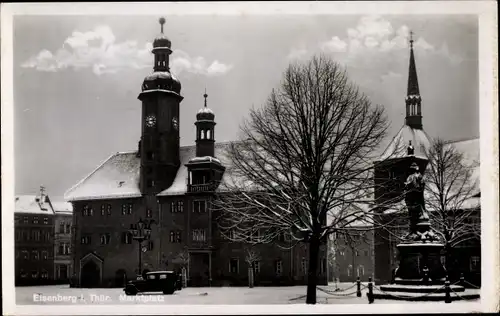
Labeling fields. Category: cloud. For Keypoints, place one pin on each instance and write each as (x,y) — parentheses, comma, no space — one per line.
(98,50)
(374,34)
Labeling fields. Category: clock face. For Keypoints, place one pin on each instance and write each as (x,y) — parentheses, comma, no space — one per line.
(175,123)
(150,121)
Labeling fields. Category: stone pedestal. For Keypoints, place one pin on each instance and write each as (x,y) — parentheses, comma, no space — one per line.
(420,263)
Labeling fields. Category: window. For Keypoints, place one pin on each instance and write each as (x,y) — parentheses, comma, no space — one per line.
(130,208)
(150,245)
(108,209)
(34,254)
(357,253)
(61,227)
(366,253)
(361,270)
(150,183)
(25,254)
(175,236)
(68,249)
(234,265)
(45,255)
(124,209)
(47,236)
(256,267)
(45,220)
(209,134)
(322,266)
(278,267)
(105,239)
(44,274)
(126,238)
(35,220)
(36,235)
(85,240)
(16,219)
(341,253)
(25,219)
(475,263)
(24,275)
(68,228)
(303,265)
(34,274)
(19,235)
(199,235)
(103,209)
(349,270)
(177,206)
(61,249)
(86,211)
(199,206)
(149,213)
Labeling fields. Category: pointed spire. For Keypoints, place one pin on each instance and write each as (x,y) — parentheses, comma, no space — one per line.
(412,72)
(205,96)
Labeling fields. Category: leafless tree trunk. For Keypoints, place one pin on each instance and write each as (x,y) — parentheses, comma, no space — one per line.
(304,167)
(452,196)
(251,257)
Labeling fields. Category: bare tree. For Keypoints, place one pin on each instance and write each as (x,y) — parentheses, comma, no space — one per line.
(452,196)
(252,256)
(304,166)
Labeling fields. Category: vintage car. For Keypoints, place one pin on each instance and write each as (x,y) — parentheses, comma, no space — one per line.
(157,281)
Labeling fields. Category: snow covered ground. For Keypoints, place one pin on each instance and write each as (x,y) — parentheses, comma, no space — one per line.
(64,295)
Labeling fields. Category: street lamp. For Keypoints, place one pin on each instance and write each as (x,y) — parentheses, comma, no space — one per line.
(141,232)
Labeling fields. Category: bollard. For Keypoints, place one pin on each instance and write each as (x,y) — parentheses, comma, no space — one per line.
(370,291)
(462,279)
(447,296)
(358,291)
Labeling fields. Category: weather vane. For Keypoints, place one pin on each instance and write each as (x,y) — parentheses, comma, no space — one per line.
(162,21)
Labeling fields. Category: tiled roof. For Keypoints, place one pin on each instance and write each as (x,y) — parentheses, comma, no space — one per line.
(28,204)
(117,177)
(398,146)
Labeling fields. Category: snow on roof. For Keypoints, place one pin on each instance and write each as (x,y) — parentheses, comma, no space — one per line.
(62,207)
(29,204)
(470,149)
(117,177)
(398,146)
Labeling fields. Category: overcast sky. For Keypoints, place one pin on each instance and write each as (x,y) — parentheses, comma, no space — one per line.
(76,79)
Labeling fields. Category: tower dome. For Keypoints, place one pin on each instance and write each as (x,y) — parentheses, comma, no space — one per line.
(205,114)
(162,41)
(161,78)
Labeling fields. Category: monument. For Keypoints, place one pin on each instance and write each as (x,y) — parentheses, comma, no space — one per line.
(420,274)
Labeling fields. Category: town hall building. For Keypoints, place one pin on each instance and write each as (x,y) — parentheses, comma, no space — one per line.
(168,188)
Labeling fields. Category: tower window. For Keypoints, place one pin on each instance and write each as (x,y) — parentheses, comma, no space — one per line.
(209,134)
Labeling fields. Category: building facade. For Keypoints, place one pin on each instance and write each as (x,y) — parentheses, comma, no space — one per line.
(62,241)
(410,145)
(34,239)
(172,188)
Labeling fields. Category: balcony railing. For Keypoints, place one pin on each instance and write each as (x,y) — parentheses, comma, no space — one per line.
(206,187)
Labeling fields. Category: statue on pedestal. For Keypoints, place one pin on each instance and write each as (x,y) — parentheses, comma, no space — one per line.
(419,217)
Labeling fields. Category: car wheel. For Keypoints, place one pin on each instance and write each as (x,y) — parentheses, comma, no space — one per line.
(131,291)
(169,291)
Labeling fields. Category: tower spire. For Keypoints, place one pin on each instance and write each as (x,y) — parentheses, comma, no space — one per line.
(162,21)
(205,96)
(413,99)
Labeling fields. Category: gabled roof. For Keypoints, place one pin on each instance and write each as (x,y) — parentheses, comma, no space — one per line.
(398,146)
(470,149)
(30,204)
(117,177)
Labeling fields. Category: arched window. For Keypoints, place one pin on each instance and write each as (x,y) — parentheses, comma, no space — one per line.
(349,270)
(208,134)
(361,271)
(202,134)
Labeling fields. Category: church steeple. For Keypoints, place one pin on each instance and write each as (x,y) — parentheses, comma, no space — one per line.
(413,99)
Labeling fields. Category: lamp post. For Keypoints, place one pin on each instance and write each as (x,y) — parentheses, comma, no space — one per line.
(141,232)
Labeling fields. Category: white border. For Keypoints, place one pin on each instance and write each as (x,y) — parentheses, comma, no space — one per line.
(488,47)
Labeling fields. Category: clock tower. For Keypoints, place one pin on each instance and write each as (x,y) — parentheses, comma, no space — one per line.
(159,144)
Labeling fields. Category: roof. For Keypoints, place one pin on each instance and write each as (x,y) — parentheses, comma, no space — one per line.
(398,146)
(470,149)
(62,207)
(29,204)
(117,177)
